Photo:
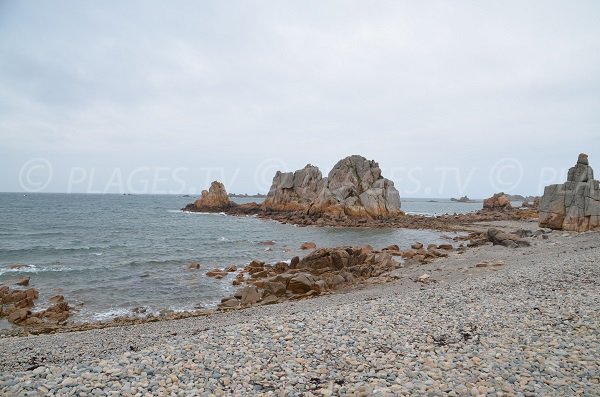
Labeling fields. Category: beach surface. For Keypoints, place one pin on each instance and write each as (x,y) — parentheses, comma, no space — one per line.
(492,321)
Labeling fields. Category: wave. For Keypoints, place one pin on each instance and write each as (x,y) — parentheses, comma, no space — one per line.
(112,313)
(35,269)
(203,213)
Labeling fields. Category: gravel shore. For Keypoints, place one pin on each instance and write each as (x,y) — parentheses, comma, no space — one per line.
(529,326)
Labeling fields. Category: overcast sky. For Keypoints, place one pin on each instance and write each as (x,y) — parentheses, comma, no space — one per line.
(451,98)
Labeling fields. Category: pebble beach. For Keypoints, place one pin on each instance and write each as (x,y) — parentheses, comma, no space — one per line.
(495,322)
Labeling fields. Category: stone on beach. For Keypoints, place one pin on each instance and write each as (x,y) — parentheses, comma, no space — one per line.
(575,204)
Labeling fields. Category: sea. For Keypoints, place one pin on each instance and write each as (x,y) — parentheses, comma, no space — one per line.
(108,254)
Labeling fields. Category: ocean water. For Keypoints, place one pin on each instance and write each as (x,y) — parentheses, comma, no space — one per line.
(108,254)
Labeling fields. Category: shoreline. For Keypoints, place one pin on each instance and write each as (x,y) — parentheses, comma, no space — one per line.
(513,300)
(462,223)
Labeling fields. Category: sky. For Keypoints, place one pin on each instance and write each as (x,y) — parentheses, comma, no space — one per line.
(451,98)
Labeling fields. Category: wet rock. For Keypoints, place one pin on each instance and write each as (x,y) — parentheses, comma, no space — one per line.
(216,273)
(308,245)
(417,246)
(24,282)
(194,266)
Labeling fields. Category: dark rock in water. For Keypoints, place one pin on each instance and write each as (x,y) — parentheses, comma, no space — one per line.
(575,204)
(463,199)
(308,245)
(215,199)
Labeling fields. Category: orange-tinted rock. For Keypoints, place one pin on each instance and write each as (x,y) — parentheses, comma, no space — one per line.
(24,282)
(215,199)
(309,245)
(498,202)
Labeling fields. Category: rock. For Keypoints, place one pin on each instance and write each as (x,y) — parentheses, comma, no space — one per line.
(215,199)
(19,315)
(356,188)
(274,288)
(308,245)
(393,247)
(446,247)
(24,303)
(498,237)
(575,204)
(58,312)
(463,199)
(498,202)
(301,283)
(24,282)
(230,303)
(193,266)
(217,273)
(15,266)
(425,279)
(231,269)
(417,246)
(294,191)
(353,188)
(250,296)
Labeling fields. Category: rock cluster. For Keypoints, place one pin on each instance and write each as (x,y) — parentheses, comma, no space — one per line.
(353,188)
(215,199)
(498,202)
(323,270)
(16,305)
(575,204)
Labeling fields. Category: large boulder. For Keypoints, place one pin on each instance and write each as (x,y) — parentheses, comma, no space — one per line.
(353,188)
(575,204)
(498,202)
(215,199)
(356,188)
(294,191)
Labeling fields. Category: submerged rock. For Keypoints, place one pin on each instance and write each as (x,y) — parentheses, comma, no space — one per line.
(575,204)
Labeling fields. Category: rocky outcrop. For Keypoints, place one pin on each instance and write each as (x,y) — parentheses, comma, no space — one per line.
(498,202)
(294,191)
(16,305)
(215,199)
(353,188)
(575,204)
(324,270)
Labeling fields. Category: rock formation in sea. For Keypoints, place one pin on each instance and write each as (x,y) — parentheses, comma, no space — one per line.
(498,202)
(353,188)
(215,199)
(294,191)
(575,204)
